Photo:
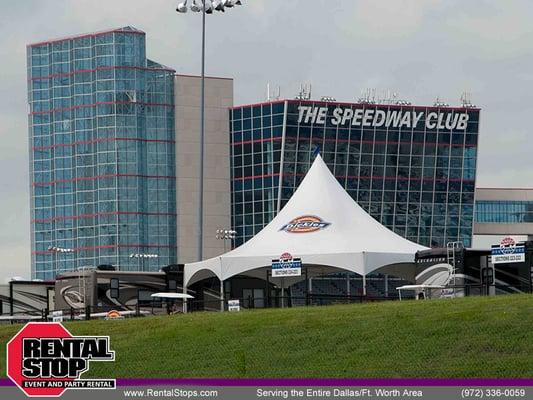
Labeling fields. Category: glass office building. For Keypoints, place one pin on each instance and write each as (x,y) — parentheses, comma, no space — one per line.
(102,155)
(413,168)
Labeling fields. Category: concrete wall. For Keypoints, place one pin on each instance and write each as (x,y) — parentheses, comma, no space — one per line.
(504,194)
(217,215)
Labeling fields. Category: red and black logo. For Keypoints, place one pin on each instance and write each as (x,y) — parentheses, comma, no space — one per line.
(45,359)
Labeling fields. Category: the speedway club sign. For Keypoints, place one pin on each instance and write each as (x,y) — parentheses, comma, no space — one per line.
(45,359)
(508,251)
(377,118)
(286,265)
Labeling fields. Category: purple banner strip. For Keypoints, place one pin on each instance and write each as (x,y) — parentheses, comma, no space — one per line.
(327,382)
(308,382)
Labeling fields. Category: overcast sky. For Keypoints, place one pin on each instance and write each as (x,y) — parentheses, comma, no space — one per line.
(419,48)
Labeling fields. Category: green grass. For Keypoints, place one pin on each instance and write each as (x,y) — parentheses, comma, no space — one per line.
(468,337)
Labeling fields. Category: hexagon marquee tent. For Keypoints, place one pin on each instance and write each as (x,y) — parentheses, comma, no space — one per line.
(324,227)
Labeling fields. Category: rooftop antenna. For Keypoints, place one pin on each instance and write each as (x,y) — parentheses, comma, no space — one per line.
(273,94)
(305,92)
(439,103)
(466,100)
(389,97)
(368,96)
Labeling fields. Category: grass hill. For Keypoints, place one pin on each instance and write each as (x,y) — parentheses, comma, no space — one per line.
(466,337)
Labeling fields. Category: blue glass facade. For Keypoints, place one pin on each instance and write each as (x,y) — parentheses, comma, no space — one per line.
(102,153)
(412,168)
(503,212)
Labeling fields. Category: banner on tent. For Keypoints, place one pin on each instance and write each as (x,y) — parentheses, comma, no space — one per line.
(286,265)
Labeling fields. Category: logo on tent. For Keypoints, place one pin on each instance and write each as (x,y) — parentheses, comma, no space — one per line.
(305,224)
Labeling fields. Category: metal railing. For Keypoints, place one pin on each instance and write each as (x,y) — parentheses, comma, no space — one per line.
(245,303)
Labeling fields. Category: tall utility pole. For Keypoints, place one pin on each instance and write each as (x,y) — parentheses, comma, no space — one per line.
(205,7)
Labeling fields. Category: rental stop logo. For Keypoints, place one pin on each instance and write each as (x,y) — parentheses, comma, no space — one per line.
(44,359)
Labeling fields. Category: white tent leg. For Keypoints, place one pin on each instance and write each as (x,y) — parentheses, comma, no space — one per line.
(364,285)
(221,295)
(348,291)
(184,303)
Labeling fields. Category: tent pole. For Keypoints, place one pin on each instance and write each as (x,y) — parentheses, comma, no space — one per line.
(306,286)
(267,290)
(221,295)
(364,286)
(282,293)
(184,303)
(348,294)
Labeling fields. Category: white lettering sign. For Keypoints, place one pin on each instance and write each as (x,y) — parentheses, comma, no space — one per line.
(376,118)
(281,268)
(234,305)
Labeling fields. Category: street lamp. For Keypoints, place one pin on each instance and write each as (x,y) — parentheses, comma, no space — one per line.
(205,7)
(143,257)
(225,234)
(56,250)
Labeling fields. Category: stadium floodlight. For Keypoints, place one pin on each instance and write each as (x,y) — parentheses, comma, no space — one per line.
(195,7)
(58,250)
(55,249)
(205,7)
(182,7)
(143,256)
(218,5)
(225,234)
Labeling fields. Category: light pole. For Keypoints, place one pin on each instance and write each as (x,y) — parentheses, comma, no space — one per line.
(143,257)
(56,250)
(205,7)
(225,234)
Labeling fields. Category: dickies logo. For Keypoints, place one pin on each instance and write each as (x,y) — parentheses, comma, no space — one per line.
(305,224)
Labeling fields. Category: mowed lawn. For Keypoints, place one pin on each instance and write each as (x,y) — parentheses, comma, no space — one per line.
(467,337)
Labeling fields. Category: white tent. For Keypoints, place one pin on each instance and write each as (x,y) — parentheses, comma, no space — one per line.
(322,225)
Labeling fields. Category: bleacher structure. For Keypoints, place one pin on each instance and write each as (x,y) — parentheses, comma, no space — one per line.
(335,287)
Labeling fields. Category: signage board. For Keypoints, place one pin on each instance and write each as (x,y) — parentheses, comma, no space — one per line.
(57,316)
(379,118)
(44,359)
(286,266)
(508,251)
(234,305)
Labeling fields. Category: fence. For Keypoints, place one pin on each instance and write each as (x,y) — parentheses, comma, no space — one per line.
(214,303)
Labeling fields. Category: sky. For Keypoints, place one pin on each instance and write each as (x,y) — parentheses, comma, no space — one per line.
(420,49)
